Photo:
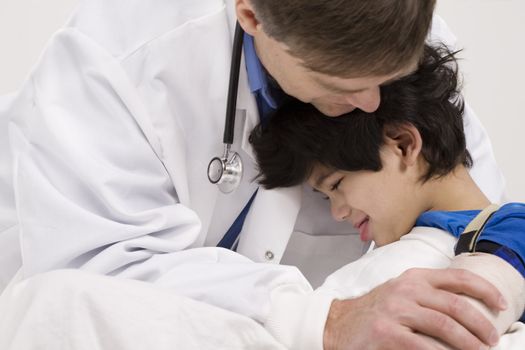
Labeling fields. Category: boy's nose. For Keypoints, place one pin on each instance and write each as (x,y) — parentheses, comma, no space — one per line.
(340,212)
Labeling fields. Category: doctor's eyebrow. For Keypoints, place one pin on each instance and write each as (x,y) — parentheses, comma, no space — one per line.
(336,89)
(411,69)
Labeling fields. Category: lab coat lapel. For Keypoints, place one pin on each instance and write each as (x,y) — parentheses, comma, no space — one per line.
(271,220)
(246,102)
(270,223)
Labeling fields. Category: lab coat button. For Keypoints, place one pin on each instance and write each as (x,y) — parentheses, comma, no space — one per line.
(269,255)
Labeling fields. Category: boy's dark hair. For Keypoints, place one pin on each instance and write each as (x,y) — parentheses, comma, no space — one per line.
(349,38)
(298,136)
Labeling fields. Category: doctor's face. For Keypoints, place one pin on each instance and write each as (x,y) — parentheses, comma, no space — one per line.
(333,96)
(381,205)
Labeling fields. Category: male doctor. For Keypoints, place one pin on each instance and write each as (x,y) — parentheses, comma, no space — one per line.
(111,135)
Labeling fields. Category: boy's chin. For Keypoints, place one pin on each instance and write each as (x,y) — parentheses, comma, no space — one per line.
(382,241)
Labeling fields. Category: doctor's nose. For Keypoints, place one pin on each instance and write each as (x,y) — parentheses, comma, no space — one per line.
(367,100)
(340,211)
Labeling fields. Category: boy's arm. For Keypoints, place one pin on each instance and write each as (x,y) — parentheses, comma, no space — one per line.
(500,236)
(504,277)
(422,248)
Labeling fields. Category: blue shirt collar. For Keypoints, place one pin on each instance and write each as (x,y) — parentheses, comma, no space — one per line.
(257,76)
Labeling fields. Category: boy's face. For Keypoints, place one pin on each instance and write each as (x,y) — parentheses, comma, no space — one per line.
(382,205)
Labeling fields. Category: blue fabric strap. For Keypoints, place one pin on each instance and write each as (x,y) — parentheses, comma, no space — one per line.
(229,241)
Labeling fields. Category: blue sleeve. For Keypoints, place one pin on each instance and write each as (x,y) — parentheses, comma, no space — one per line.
(507,228)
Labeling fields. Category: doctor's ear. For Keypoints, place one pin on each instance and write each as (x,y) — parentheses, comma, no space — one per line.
(246,16)
(405,140)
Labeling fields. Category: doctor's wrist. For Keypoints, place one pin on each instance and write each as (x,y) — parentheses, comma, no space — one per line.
(331,333)
(297,319)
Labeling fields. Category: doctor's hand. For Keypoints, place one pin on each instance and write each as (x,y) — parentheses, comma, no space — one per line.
(396,314)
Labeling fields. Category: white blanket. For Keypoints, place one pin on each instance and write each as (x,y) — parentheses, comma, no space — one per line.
(76,310)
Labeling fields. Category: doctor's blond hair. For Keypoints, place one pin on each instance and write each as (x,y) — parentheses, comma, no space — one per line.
(349,38)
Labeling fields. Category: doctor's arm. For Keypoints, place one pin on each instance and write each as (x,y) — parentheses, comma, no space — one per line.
(92,193)
(425,301)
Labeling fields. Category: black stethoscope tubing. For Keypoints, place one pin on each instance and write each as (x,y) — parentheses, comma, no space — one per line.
(231,106)
(226,171)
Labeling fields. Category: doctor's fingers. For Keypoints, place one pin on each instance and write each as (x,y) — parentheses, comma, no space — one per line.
(419,307)
(431,317)
(461,281)
(374,322)
(442,313)
(402,338)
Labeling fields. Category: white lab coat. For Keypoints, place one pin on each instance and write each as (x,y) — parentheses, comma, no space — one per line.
(109,141)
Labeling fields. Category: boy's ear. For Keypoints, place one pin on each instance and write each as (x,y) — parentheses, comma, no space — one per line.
(246,16)
(405,140)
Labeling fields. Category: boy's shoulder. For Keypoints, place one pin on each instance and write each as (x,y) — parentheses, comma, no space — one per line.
(423,247)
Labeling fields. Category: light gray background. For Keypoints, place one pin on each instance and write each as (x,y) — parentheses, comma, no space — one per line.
(490,31)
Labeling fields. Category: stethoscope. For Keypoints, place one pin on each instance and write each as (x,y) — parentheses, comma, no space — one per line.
(226,171)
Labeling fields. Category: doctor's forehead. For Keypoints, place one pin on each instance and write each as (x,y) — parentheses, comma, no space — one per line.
(359,84)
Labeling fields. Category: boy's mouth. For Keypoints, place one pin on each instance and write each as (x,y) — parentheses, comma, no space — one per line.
(362,227)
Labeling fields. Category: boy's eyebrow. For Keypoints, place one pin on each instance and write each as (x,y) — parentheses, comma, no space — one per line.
(319,181)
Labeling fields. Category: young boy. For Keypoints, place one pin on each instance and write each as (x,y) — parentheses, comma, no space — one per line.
(401,169)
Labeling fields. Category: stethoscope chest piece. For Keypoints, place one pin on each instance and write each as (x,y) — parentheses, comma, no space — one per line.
(226,172)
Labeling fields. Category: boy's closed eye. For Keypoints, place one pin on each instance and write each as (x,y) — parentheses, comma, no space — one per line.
(336,184)
(331,187)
